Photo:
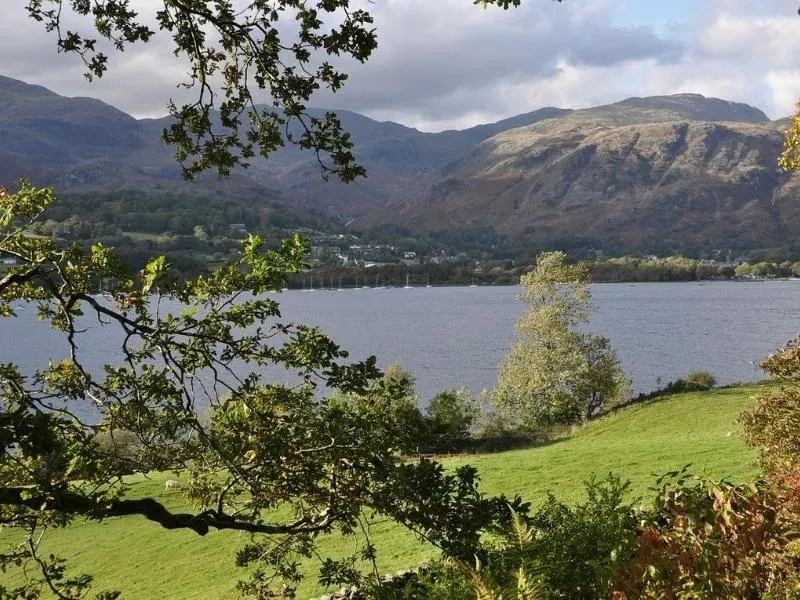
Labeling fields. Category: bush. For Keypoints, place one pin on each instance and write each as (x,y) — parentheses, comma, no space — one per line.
(495,430)
(700,379)
(122,448)
(579,549)
(710,539)
(442,581)
(696,381)
(451,415)
(563,552)
(773,424)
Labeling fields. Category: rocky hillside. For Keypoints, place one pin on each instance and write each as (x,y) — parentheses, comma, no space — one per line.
(652,173)
(661,173)
(399,160)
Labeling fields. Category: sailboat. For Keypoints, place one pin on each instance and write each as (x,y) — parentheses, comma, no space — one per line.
(428,282)
(407,286)
(339,289)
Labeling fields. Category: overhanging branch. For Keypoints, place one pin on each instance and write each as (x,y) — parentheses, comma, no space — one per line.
(79,505)
(18,278)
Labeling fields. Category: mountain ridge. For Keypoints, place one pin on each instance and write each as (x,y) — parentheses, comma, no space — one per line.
(681,168)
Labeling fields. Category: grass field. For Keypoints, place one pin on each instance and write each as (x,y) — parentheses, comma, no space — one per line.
(637,443)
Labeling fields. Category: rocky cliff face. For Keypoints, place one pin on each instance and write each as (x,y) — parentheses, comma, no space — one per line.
(640,170)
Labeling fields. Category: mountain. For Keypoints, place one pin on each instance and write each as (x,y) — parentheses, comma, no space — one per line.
(87,144)
(399,162)
(664,172)
(37,124)
(656,173)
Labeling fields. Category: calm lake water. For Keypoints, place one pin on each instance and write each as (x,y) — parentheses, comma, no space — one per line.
(456,336)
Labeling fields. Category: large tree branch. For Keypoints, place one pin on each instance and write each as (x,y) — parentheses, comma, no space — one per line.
(77,504)
(18,278)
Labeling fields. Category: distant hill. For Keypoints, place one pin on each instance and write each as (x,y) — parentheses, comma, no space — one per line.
(399,162)
(646,173)
(85,143)
(37,124)
(665,172)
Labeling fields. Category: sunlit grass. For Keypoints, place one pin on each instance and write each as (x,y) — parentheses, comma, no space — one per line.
(638,443)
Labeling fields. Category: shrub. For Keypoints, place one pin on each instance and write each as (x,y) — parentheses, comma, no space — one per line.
(700,379)
(122,448)
(443,581)
(773,426)
(494,429)
(401,405)
(579,549)
(560,551)
(451,414)
(709,539)
(696,381)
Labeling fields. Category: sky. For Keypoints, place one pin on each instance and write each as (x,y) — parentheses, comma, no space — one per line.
(444,64)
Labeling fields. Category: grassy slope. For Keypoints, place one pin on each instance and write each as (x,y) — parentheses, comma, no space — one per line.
(637,443)
(148,562)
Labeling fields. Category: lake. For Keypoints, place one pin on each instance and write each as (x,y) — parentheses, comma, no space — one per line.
(456,336)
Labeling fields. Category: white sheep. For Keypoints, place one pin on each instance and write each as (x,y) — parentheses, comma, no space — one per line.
(170,484)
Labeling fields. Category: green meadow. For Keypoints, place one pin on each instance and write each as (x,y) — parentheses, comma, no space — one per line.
(637,443)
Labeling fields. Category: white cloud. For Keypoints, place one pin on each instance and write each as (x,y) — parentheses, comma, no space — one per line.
(784,87)
(447,63)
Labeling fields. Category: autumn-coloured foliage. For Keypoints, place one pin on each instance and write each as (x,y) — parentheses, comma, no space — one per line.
(710,539)
(790,159)
(773,425)
(784,363)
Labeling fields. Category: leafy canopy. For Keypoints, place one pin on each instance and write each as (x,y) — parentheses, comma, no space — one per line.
(790,159)
(253,66)
(284,462)
(555,374)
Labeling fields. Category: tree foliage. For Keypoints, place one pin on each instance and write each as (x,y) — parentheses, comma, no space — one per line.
(711,539)
(561,551)
(773,424)
(254,67)
(189,395)
(555,374)
(790,159)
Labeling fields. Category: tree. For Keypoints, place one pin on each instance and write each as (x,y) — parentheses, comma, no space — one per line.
(451,414)
(187,397)
(252,83)
(790,159)
(554,374)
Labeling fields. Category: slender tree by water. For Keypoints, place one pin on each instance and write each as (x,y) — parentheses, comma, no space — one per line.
(555,374)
